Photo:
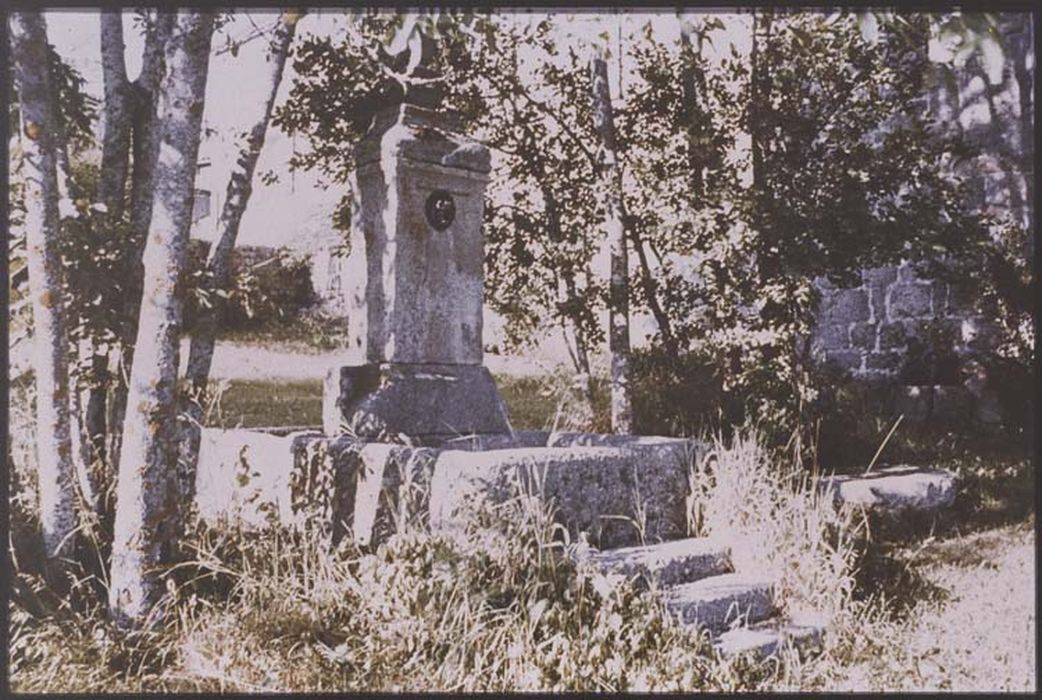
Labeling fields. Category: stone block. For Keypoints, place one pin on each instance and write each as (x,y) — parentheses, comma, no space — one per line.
(895,488)
(909,301)
(246,475)
(863,336)
(845,306)
(388,400)
(849,360)
(879,276)
(597,490)
(832,336)
(720,601)
(892,336)
(667,563)
(884,361)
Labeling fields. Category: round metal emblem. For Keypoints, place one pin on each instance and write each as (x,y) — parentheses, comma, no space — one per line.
(440,210)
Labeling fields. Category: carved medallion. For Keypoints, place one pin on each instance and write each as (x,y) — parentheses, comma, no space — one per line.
(440,210)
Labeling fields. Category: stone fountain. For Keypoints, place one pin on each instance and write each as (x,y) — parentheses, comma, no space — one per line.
(422,409)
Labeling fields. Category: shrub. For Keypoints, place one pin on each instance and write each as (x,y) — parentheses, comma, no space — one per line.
(262,291)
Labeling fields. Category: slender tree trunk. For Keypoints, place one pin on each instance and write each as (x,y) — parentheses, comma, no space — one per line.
(116,116)
(618,289)
(218,263)
(147,514)
(115,157)
(581,358)
(28,33)
(145,150)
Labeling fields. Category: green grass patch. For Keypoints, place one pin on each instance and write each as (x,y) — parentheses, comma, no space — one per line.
(257,404)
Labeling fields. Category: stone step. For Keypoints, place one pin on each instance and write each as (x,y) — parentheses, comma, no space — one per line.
(765,639)
(667,563)
(718,602)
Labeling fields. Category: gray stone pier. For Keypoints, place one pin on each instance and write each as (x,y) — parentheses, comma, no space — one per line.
(416,310)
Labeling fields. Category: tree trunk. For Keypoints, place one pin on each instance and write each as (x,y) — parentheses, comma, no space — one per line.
(147,516)
(116,116)
(218,263)
(581,357)
(618,289)
(28,33)
(145,150)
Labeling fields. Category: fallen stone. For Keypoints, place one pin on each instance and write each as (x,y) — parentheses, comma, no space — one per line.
(718,602)
(894,489)
(667,563)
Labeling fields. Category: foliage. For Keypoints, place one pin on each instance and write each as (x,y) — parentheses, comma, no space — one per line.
(845,164)
(260,292)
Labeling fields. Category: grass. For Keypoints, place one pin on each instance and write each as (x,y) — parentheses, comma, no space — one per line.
(266,403)
(532,403)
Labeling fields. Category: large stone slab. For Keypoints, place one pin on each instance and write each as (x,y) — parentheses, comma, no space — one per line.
(365,489)
(718,602)
(247,475)
(418,401)
(614,494)
(898,488)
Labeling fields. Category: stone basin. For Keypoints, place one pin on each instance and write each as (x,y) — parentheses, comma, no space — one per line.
(618,490)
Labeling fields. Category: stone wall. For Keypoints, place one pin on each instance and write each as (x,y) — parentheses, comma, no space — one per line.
(894,321)
(873,329)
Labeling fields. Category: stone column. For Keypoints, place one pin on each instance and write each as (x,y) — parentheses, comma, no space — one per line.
(417,317)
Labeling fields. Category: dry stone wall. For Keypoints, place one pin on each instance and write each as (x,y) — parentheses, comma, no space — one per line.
(895,319)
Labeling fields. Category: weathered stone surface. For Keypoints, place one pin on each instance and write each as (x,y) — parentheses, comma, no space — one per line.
(887,361)
(364,489)
(766,639)
(894,489)
(383,401)
(422,298)
(909,301)
(846,359)
(845,306)
(863,336)
(597,490)
(892,335)
(720,601)
(881,276)
(831,336)
(667,563)
(246,475)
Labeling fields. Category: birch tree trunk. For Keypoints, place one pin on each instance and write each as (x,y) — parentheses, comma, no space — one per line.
(28,32)
(618,288)
(145,150)
(115,157)
(147,516)
(218,263)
